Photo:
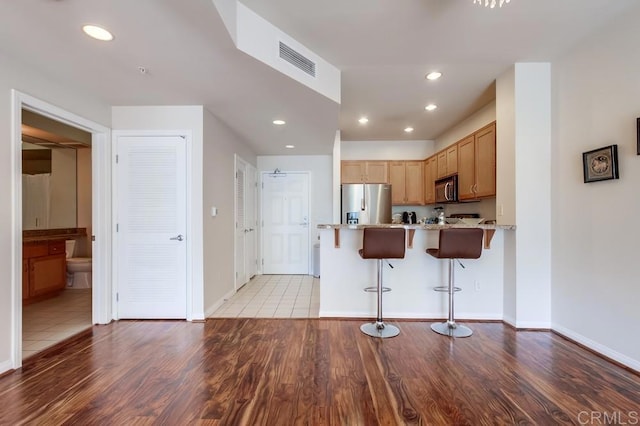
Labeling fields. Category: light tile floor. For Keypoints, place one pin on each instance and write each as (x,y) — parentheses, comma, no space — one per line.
(274,296)
(48,322)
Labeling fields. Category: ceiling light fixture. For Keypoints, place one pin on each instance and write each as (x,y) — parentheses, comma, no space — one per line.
(97,32)
(491,3)
(408,129)
(363,120)
(279,122)
(433,75)
(431,107)
(289,146)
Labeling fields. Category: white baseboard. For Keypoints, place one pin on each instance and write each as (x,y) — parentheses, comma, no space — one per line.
(532,325)
(6,366)
(410,315)
(343,314)
(597,347)
(209,311)
(510,321)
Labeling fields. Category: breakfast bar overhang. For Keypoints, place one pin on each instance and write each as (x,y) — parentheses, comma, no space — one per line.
(344,275)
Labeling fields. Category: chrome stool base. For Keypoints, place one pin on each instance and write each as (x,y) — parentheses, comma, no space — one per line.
(380,329)
(451,329)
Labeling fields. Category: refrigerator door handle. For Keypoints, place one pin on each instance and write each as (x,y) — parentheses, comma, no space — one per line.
(363,206)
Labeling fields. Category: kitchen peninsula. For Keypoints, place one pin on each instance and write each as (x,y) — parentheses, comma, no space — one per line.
(344,275)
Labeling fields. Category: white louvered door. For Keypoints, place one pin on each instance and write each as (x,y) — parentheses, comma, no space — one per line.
(151,222)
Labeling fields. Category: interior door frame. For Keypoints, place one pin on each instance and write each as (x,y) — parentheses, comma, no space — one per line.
(253,172)
(101,211)
(248,192)
(261,218)
(190,239)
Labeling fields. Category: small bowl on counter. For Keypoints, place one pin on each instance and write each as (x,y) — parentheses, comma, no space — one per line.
(471,220)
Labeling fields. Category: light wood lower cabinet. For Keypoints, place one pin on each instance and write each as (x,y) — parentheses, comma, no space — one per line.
(407,182)
(44,269)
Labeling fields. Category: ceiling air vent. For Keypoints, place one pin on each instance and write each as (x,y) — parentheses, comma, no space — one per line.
(297,60)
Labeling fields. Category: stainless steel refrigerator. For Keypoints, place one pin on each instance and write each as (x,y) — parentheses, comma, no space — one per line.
(366,203)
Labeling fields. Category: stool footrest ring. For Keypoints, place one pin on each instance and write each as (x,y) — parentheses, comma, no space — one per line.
(445,288)
(375,289)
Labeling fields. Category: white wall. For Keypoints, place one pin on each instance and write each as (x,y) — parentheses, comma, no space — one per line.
(321,178)
(533,186)
(15,75)
(412,280)
(386,150)
(477,120)
(220,145)
(177,118)
(595,232)
(505,183)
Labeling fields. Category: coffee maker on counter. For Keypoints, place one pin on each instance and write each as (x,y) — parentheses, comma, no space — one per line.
(409,218)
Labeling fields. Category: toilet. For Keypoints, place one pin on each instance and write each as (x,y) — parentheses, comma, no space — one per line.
(78,268)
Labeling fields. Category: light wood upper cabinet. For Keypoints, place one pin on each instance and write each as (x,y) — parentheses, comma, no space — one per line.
(352,171)
(486,161)
(414,183)
(447,161)
(377,172)
(407,182)
(430,170)
(357,171)
(452,160)
(477,164)
(466,168)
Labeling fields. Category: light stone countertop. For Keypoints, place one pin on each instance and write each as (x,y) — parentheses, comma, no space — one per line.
(419,226)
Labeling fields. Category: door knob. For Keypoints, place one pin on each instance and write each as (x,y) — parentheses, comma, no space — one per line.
(178,238)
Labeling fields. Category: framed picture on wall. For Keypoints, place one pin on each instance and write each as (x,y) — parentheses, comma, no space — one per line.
(600,164)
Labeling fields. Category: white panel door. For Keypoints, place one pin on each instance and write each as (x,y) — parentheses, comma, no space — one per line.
(285,231)
(251,221)
(246,226)
(151,227)
(240,267)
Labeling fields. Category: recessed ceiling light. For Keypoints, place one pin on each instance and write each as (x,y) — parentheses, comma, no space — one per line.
(363,120)
(97,32)
(289,146)
(279,122)
(408,129)
(431,107)
(433,75)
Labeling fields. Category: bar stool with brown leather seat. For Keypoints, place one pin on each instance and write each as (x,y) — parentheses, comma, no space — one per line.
(455,244)
(381,243)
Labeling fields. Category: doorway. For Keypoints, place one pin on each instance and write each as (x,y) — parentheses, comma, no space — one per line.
(246,224)
(56,224)
(100,212)
(285,227)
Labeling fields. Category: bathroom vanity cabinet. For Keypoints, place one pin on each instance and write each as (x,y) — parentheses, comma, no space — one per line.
(44,269)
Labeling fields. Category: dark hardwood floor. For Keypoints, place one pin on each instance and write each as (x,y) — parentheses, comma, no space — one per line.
(309,371)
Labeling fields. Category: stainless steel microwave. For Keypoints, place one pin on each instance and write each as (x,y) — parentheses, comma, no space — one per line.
(447,190)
